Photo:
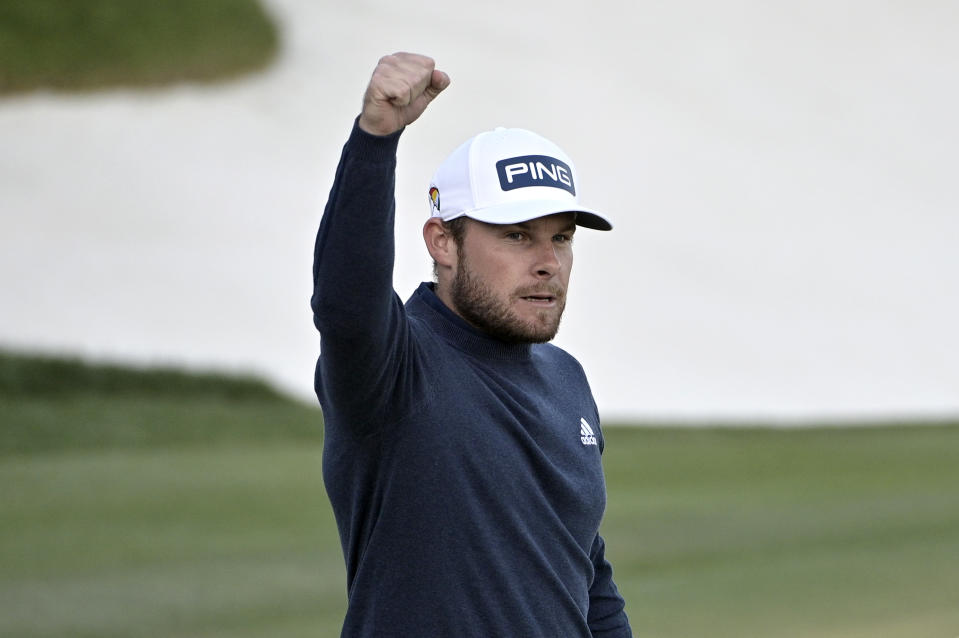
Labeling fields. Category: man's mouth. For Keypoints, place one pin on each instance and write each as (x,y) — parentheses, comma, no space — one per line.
(540,299)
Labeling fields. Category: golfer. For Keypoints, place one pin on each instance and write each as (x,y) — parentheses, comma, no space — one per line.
(462,451)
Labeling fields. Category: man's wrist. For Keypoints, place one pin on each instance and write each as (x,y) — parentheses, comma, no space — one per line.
(372,147)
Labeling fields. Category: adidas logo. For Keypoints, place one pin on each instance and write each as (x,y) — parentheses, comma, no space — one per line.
(586,433)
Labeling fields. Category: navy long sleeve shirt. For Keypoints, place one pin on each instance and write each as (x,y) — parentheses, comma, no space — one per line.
(464,473)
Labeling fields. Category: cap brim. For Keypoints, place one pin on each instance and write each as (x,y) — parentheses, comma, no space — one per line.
(516,212)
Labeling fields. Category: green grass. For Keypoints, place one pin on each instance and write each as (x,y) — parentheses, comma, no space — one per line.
(835,533)
(95,44)
(822,532)
(52,403)
(234,541)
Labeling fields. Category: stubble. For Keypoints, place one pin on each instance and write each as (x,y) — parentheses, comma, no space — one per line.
(480,306)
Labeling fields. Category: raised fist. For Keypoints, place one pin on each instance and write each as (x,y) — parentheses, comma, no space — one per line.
(402,86)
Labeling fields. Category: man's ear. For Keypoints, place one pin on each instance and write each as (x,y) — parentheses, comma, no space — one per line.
(439,242)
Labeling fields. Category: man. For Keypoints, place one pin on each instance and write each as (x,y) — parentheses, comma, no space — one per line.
(462,452)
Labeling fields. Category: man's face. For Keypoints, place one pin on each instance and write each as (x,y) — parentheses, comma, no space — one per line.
(511,280)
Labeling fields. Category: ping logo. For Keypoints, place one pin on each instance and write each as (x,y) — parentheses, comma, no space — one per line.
(435,199)
(534,170)
(586,434)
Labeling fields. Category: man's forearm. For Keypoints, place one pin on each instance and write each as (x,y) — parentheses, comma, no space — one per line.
(353,258)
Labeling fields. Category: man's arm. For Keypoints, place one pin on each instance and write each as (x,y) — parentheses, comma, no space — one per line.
(606,617)
(359,317)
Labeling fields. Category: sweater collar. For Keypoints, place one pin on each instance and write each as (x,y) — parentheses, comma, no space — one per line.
(450,326)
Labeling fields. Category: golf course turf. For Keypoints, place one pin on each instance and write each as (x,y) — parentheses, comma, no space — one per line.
(190,527)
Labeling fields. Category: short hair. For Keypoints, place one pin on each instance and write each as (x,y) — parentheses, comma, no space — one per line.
(456,228)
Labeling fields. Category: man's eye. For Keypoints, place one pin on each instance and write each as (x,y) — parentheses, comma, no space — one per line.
(515,236)
(563,239)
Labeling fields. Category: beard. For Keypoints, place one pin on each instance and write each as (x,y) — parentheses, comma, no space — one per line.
(480,306)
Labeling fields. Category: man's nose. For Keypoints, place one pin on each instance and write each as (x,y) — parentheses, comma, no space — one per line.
(547,261)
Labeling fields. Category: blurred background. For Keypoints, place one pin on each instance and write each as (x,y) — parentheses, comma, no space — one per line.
(782,180)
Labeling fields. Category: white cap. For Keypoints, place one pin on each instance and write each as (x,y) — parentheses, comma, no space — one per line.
(507,176)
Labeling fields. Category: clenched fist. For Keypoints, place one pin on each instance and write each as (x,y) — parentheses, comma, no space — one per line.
(402,86)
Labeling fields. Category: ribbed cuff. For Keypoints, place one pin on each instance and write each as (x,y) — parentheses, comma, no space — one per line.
(373,148)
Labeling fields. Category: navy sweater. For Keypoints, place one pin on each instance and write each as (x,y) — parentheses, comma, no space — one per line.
(464,473)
